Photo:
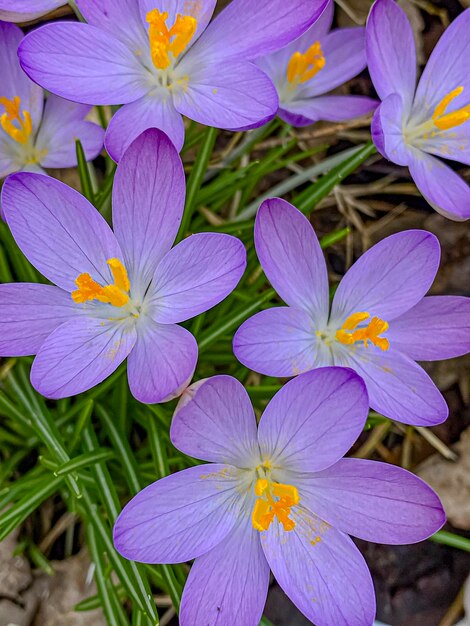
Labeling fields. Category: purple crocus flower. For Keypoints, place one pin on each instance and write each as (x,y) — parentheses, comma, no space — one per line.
(379,324)
(280,498)
(118,294)
(312,66)
(34,135)
(414,125)
(24,10)
(162,60)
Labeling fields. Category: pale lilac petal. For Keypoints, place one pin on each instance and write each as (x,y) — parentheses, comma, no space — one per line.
(279,342)
(180,517)
(445,190)
(8,164)
(80,354)
(292,259)
(148,202)
(373,501)
(13,81)
(215,421)
(120,18)
(202,10)
(25,10)
(151,111)
(196,275)
(387,131)
(398,387)
(229,584)
(436,328)
(448,67)
(247,29)
(28,314)
(58,230)
(63,123)
(231,95)
(162,362)
(328,108)
(83,63)
(314,419)
(345,58)
(389,278)
(391,51)
(453,144)
(321,571)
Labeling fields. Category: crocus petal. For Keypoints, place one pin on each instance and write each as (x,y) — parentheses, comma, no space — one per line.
(25,10)
(292,259)
(58,230)
(328,108)
(229,584)
(373,501)
(398,387)
(391,51)
(83,63)
(180,517)
(345,57)
(196,275)
(314,419)
(202,10)
(80,354)
(280,342)
(389,278)
(155,110)
(445,191)
(247,29)
(148,202)
(321,571)
(230,95)
(28,314)
(63,123)
(215,421)
(436,328)
(387,130)
(120,18)
(162,362)
(13,81)
(453,144)
(448,67)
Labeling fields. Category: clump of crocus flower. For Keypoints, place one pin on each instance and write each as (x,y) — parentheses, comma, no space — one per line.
(162,59)
(416,124)
(379,322)
(24,10)
(309,68)
(118,294)
(280,498)
(34,133)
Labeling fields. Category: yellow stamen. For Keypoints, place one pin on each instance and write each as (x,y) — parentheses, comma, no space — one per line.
(267,508)
(164,41)
(445,121)
(21,132)
(116,294)
(349,333)
(303,67)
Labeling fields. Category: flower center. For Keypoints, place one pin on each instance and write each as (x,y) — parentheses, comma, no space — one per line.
(274,500)
(166,44)
(303,67)
(16,123)
(349,333)
(116,294)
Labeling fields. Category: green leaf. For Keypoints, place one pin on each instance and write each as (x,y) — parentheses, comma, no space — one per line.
(452,540)
(86,183)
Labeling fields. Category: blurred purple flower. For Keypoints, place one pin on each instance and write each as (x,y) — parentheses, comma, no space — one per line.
(24,10)
(380,323)
(118,294)
(312,66)
(34,135)
(280,498)
(162,59)
(414,123)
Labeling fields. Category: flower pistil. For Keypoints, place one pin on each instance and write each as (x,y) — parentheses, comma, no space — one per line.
(166,44)
(274,500)
(349,334)
(116,294)
(303,67)
(16,123)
